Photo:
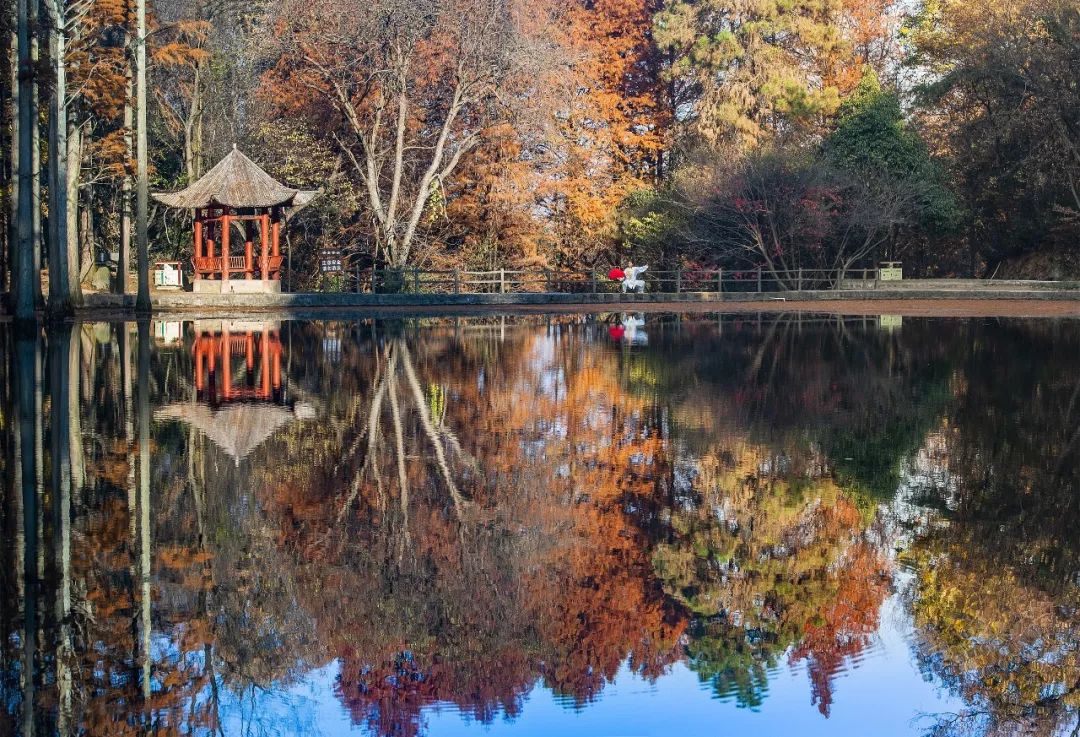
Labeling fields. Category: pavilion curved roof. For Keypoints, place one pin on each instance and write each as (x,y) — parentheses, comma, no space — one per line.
(238,429)
(237,182)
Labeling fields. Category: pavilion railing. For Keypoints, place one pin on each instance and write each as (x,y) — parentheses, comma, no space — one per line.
(507,281)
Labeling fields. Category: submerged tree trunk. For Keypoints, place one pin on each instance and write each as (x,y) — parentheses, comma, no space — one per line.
(144,506)
(61,369)
(27,386)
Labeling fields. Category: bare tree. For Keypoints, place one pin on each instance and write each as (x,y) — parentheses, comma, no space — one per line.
(64,291)
(142,176)
(414,83)
(26,283)
(786,212)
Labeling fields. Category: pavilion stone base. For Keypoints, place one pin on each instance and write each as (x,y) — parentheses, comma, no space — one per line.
(236,286)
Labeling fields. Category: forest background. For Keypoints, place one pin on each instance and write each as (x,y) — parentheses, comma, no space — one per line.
(779,134)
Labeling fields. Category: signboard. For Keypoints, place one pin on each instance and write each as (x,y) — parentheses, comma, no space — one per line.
(330,261)
(890,322)
(891,271)
(167,274)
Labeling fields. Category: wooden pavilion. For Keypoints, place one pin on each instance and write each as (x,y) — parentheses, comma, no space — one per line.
(237,191)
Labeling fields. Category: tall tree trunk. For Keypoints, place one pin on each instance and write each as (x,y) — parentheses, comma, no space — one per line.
(25,293)
(35,155)
(87,242)
(80,251)
(11,146)
(123,267)
(63,263)
(193,129)
(142,187)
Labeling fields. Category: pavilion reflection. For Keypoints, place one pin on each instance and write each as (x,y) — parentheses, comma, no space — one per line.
(221,345)
(240,398)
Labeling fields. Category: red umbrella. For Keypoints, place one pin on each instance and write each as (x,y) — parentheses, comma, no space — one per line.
(616,274)
(616,332)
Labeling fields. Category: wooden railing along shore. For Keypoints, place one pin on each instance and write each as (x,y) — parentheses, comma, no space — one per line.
(415,280)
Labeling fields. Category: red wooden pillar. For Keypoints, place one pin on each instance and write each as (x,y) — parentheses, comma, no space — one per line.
(198,242)
(209,228)
(249,259)
(264,230)
(249,348)
(225,225)
(276,237)
(211,356)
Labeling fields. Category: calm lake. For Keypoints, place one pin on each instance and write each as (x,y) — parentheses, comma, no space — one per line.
(606,525)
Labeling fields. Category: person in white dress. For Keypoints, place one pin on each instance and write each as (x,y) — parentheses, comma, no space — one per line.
(633,281)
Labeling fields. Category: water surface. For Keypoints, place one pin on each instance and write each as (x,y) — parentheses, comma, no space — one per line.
(594,525)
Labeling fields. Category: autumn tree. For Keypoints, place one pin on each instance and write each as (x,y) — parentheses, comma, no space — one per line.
(409,89)
(750,72)
(1002,105)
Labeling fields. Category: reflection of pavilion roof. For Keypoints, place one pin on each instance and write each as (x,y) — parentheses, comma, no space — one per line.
(236,182)
(238,429)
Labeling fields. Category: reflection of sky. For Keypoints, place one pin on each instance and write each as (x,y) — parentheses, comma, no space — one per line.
(882,694)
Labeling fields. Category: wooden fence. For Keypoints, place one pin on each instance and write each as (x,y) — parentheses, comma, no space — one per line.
(506,281)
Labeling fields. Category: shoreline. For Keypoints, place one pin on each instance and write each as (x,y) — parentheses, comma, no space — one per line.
(912,301)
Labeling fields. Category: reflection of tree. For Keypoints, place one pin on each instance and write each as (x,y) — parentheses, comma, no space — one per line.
(527,565)
(863,399)
(477,513)
(997,595)
(771,558)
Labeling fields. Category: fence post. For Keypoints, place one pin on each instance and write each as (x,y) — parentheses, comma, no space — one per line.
(759,279)
(719,280)
(547,280)
(502,281)
(678,280)
(416,278)
(798,282)
(593,280)
(358,276)
(457,281)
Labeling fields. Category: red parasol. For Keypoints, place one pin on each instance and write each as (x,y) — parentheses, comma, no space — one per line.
(616,274)
(616,332)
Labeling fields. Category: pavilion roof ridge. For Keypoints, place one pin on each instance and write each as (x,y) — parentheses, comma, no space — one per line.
(237,182)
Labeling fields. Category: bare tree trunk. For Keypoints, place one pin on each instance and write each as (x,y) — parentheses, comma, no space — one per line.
(123,266)
(11,120)
(63,264)
(193,129)
(25,292)
(142,187)
(35,134)
(80,242)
